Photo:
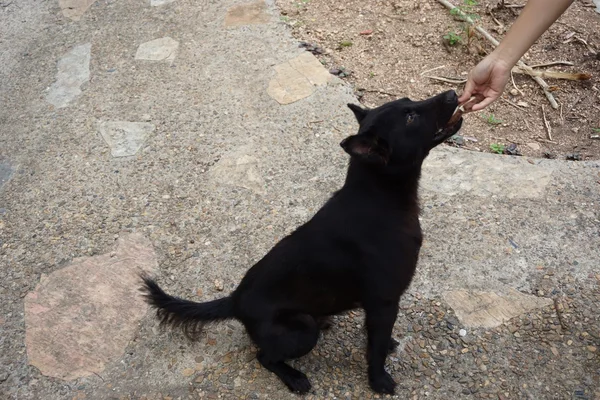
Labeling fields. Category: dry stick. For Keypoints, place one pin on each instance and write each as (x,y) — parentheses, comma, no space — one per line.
(548,129)
(512,78)
(447,80)
(573,106)
(380,92)
(431,70)
(493,40)
(518,107)
(572,76)
(562,119)
(590,48)
(552,63)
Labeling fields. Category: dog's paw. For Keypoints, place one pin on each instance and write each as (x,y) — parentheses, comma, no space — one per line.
(297,382)
(393,345)
(383,383)
(324,323)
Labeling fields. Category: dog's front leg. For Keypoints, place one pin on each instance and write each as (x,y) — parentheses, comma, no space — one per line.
(380,322)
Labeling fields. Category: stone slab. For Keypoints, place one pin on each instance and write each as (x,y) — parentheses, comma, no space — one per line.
(162,49)
(74,9)
(123,137)
(73,72)
(158,3)
(6,172)
(81,317)
(247,14)
(490,309)
(239,168)
(297,78)
(484,176)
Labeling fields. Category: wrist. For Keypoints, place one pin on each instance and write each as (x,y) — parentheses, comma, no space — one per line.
(503,59)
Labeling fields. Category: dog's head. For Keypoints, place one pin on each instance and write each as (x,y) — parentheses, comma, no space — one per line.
(402,132)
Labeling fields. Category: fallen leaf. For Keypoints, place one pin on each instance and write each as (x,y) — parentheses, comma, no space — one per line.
(188,372)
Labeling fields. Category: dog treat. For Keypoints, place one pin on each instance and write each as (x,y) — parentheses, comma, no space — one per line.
(463,108)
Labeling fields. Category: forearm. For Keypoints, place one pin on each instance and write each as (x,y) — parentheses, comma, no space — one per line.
(535,19)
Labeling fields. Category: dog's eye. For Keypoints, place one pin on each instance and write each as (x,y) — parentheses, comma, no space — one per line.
(411,117)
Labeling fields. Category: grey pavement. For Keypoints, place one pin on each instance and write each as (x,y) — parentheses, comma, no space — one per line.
(185,138)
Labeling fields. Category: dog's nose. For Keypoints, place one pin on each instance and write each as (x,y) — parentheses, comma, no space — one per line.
(450,97)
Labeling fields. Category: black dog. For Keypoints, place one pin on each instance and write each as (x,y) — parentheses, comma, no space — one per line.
(359,250)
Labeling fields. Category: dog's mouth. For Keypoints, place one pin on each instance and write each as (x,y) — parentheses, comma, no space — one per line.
(454,123)
(450,129)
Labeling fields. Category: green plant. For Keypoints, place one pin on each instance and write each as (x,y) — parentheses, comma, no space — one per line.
(345,43)
(597,130)
(492,120)
(452,38)
(371,74)
(497,148)
(467,9)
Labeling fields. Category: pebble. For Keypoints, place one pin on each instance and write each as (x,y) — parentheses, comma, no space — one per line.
(462,332)
(219,285)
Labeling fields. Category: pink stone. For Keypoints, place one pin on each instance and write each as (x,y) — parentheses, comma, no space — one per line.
(82,317)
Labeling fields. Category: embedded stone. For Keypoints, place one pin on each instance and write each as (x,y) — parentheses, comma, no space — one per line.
(247,14)
(297,78)
(73,72)
(125,138)
(490,309)
(81,317)
(6,172)
(157,3)
(239,169)
(162,49)
(74,9)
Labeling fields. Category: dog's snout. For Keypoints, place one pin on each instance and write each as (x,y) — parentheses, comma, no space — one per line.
(450,97)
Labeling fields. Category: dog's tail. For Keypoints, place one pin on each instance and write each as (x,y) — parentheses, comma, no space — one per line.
(186,315)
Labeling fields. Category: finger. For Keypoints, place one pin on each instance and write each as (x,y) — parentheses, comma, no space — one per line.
(467,91)
(483,104)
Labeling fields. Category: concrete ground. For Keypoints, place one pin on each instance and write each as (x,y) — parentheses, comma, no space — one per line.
(184,138)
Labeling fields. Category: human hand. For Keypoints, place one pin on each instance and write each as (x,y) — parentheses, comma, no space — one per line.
(486,82)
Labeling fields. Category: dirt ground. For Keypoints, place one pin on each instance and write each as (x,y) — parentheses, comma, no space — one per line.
(387,50)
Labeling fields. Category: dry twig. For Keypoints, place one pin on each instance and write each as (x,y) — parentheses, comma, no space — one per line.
(552,63)
(456,81)
(547,124)
(380,92)
(518,107)
(571,76)
(431,70)
(512,78)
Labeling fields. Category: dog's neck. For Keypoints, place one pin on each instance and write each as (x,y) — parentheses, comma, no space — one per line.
(400,182)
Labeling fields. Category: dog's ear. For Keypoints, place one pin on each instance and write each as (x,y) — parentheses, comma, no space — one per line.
(369,148)
(359,112)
